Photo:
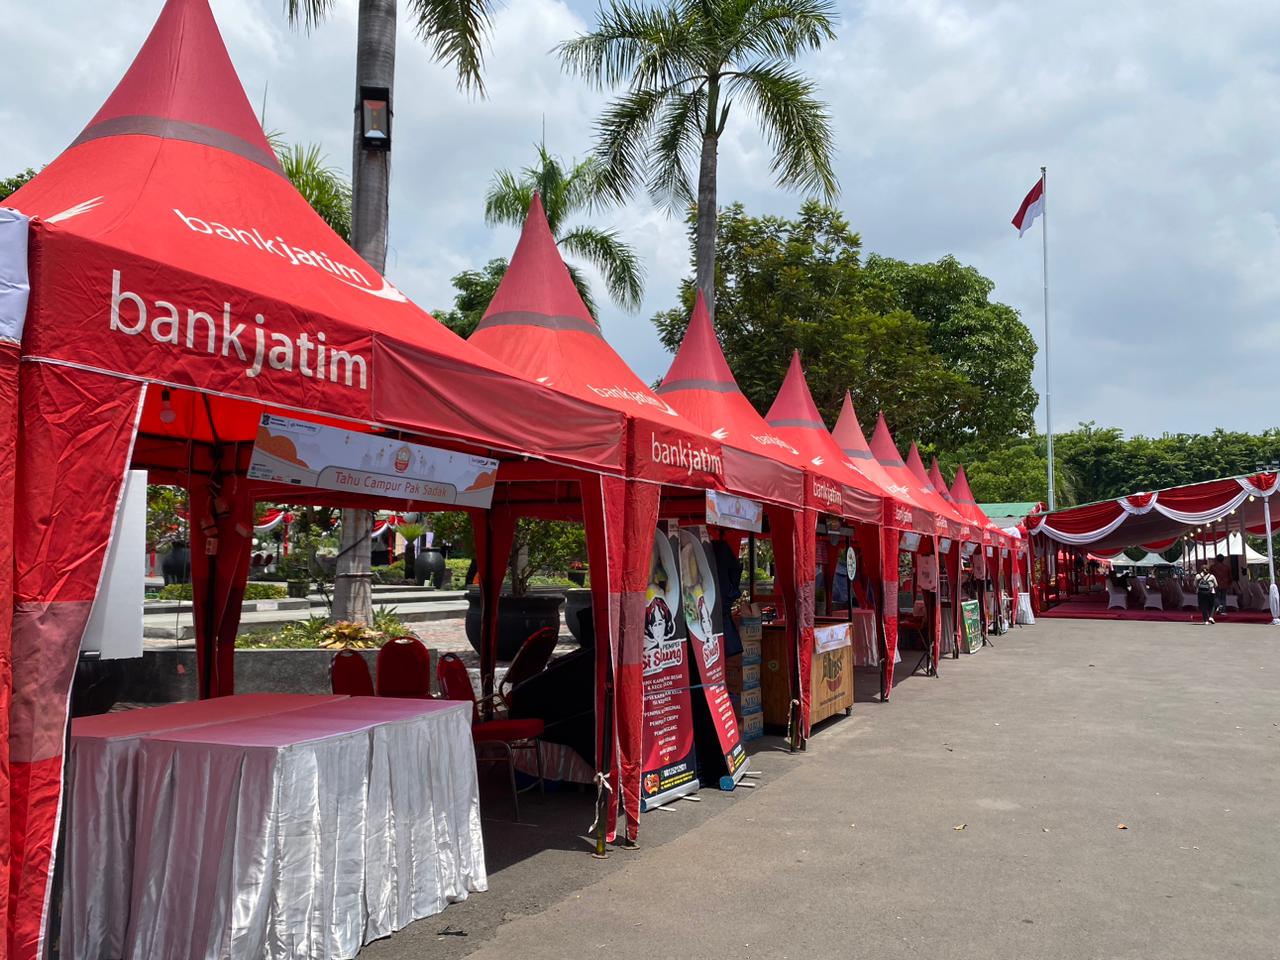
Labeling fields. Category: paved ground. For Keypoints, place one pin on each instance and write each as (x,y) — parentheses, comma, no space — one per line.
(1040,748)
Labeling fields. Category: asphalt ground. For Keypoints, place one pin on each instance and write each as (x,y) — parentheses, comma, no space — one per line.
(1084,789)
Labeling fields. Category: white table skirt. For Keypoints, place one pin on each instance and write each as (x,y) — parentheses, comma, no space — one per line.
(303,834)
(1024,609)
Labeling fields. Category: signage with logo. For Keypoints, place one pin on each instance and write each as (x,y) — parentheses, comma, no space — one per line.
(910,542)
(704,620)
(670,768)
(737,513)
(927,572)
(303,454)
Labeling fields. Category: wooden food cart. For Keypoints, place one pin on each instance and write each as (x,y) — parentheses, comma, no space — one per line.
(831,679)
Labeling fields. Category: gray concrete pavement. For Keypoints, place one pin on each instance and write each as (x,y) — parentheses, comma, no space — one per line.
(1040,749)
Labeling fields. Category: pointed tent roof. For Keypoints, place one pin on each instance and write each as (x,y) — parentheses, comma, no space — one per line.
(968,507)
(702,388)
(886,453)
(795,418)
(171,202)
(538,324)
(961,527)
(849,436)
(940,483)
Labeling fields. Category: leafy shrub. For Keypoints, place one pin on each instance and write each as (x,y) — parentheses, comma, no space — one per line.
(386,622)
(392,574)
(317,632)
(458,567)
(252,591)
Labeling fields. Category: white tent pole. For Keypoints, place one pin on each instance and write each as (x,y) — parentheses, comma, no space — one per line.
(1274,592)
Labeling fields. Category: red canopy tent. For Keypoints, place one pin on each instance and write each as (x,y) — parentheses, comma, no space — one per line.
(167,249)
(702,387)
(539,325)
(839,488)
(995,542)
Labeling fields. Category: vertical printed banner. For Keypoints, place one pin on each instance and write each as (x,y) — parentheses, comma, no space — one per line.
(670,762)
(704,620)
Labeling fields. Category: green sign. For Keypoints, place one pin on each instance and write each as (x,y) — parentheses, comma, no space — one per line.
(972,620)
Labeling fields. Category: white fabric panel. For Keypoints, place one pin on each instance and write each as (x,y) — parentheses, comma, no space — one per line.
(1138,510)
(1025,614)
(1204,516)
(305,834)
(15,289)
(1078,539)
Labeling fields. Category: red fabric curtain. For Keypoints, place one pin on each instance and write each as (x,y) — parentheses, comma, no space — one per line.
(8,495)
(494,532)
(794,536)
(889,577)
(76,433)
(221,545)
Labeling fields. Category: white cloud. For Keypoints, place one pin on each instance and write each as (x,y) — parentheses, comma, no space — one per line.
(1157,123)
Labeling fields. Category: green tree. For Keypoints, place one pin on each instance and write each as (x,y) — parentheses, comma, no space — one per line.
(568,190)
(326,188)
(10,185)
(799,283)
(454,31)
(685,64)
(985,342)
(475,290)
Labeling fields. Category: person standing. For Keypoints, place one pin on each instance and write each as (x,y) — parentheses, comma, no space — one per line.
(1222,576)
(1206,594)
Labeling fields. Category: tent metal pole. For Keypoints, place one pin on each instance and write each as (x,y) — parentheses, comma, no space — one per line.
(1273,592)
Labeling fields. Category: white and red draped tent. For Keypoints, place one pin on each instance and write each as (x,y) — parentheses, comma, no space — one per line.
(178,287)
(1155,520)
(538,324)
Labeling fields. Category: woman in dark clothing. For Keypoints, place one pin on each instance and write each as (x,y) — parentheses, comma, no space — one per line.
(1206,594)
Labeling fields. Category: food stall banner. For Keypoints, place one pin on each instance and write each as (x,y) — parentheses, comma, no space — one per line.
(304,454)
(670,763)
(972,625)
(704,620)
(738,513)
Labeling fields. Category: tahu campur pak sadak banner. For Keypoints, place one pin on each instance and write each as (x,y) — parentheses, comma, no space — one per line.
(670,762)
(703,605)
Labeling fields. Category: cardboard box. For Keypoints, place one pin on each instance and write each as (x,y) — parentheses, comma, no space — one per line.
(733,673)
(751,650)
(751,699)
(752,724)
(750,676)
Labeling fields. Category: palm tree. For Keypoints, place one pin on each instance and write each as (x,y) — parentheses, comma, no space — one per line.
(324,187)
(685,63)
(453,30)
(565,191)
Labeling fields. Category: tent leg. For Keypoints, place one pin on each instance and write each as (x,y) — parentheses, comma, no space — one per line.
(1273,592)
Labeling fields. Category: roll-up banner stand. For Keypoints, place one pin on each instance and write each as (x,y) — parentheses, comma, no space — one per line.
(670,760)
(721,758)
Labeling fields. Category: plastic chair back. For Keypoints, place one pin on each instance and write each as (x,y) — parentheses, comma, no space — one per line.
(531,659)
(349,675)
(404,669)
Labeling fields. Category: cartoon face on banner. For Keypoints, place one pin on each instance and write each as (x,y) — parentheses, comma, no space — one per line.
(698,593)
(662,604)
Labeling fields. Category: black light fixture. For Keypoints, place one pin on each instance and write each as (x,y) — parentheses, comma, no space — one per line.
(375,118)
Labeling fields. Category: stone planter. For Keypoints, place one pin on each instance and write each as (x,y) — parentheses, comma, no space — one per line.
(518,618)
(575,601)
(176,565)
(429,566)
(578,576)
(298,589)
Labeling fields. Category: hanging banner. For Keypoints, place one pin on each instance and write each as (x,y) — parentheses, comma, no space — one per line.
(704,620)
(927,572)
(670,762)
(304,454)
(738,513)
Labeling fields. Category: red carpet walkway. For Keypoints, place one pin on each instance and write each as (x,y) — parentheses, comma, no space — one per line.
(1094,607)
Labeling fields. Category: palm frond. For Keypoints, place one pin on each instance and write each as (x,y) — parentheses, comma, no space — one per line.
(674,150)
(782,29)
(795,122)
(616,261)
(634,44)
(507,200)
(455,32)
(623,131)
(325,188)
(584,289)
(310,13)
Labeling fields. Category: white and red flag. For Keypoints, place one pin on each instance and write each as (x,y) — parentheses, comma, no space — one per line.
(1032,207)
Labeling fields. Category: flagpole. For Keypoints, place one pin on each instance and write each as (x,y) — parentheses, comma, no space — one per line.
(1048,381)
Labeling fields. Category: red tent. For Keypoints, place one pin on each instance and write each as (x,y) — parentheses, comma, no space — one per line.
(539,325)
(841,489)
(167,248)
(996,543)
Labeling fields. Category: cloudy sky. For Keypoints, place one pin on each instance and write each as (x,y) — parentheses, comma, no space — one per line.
(1158,123)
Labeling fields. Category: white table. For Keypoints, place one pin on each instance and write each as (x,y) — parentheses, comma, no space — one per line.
(274,828)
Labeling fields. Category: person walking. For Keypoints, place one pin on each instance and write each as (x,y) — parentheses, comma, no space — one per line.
(1206,594)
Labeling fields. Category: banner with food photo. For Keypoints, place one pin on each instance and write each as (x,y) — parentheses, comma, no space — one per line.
(670,760)
(704,619)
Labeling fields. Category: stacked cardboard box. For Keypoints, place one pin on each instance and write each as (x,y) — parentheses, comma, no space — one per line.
(744,674)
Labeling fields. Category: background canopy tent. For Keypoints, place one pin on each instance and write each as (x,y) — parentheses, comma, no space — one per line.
(165,247)
(851,441)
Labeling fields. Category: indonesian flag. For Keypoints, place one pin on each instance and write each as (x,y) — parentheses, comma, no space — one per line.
(1032,207)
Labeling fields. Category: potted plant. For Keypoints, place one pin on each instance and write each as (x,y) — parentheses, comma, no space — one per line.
(539,546)
(167,531)
(411,532)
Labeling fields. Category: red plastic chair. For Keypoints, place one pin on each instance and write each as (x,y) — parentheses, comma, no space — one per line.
(349,675)
(504,736)
(404,669)
(530,660)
